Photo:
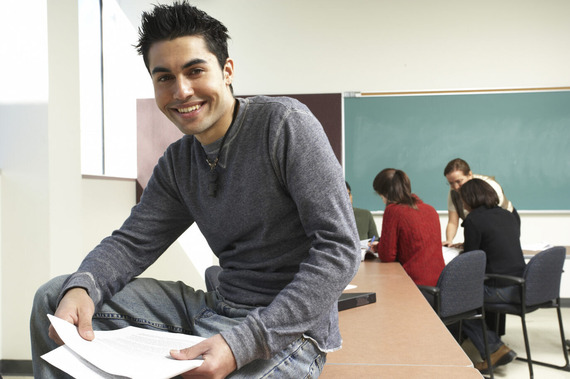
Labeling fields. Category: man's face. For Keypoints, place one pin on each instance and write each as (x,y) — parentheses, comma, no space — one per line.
(190,88)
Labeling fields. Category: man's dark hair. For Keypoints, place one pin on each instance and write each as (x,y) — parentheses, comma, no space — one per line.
(180,19)
(477,192)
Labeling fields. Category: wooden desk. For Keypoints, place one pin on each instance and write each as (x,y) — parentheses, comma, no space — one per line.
(398,334)
(399,372)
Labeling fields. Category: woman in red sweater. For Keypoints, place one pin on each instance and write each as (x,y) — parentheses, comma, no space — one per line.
(411,231)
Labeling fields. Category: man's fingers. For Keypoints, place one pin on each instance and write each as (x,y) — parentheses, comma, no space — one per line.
(85,329)
(54,336)
(186,354)
(77,308)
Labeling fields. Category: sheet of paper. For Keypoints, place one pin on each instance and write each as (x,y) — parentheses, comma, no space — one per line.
(129,352)
(350,287)
(364,243)
(66,360)
(536,246)
(449,253)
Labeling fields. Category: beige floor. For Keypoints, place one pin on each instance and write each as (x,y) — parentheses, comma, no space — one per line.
(544,343)
(544,337)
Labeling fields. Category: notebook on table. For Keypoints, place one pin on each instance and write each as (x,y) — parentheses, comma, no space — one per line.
(349,300)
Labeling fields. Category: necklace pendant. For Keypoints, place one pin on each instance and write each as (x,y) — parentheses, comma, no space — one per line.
(212,164)
(213,183)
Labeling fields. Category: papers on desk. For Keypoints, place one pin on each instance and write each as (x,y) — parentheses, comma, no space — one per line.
(449,253)
(364,251)
(364,244)
(536,246)
(123,353)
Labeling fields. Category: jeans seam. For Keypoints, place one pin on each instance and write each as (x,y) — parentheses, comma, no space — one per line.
(140,321)
(303,343)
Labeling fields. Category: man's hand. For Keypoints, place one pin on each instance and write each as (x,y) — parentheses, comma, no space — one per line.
(454,245)
(218,358)
(77,308)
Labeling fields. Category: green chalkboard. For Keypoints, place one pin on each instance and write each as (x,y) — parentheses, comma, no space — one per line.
(521,138)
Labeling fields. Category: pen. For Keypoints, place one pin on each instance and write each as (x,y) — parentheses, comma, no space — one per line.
(373,239)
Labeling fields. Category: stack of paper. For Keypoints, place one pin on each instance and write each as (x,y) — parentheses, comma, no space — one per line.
(124,353)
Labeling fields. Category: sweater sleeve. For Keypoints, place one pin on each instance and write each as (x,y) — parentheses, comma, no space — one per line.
(388,245)
(372,230)
(153,225)
(472,236)
(307,168)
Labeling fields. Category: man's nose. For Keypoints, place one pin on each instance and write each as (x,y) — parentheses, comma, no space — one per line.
(184,89)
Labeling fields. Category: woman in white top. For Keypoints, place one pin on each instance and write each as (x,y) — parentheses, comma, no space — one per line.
(457,172)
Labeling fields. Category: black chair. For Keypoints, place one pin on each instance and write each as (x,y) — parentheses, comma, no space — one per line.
(211,277)
(459,293)
(539,288)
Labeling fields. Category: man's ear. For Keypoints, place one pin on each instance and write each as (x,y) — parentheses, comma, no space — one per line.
(228,71)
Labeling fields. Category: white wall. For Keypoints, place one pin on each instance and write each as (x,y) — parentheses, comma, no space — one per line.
(0,262)
(50,217)
(382,45)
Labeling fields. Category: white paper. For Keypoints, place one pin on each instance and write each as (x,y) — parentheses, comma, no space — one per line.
(364,244)
(364,249)
(536,246)
(128,352)
(66,360)
(449,253)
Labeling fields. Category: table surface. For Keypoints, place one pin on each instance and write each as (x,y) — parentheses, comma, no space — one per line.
(399,372)
(397,335)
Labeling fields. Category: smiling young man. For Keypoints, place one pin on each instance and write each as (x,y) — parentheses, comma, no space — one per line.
(189,87)
(249,173)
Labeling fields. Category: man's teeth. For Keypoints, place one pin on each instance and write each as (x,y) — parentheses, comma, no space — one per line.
(189,109)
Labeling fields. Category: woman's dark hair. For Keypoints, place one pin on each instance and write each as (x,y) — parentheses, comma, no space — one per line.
(477,192)
(395,186)
(457,164)
(180,19)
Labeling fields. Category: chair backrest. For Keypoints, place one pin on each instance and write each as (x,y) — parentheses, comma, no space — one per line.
(461,283)
(543,274)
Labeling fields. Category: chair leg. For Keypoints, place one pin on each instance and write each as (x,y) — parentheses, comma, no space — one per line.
(563,340)
(562,337)
(460,333)
(487,352)
(527,346)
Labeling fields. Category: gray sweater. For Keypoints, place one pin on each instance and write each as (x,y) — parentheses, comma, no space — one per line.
(281,225)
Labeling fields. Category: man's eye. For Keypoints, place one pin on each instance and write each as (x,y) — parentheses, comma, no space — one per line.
(196,71)
(163,78)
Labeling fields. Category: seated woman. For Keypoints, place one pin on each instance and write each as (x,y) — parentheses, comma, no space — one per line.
(411,233)
(496,231)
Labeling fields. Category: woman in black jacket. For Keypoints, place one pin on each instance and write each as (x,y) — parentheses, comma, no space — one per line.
(496,231)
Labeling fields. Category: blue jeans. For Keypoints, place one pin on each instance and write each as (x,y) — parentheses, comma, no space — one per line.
(172,307)
(473,329)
